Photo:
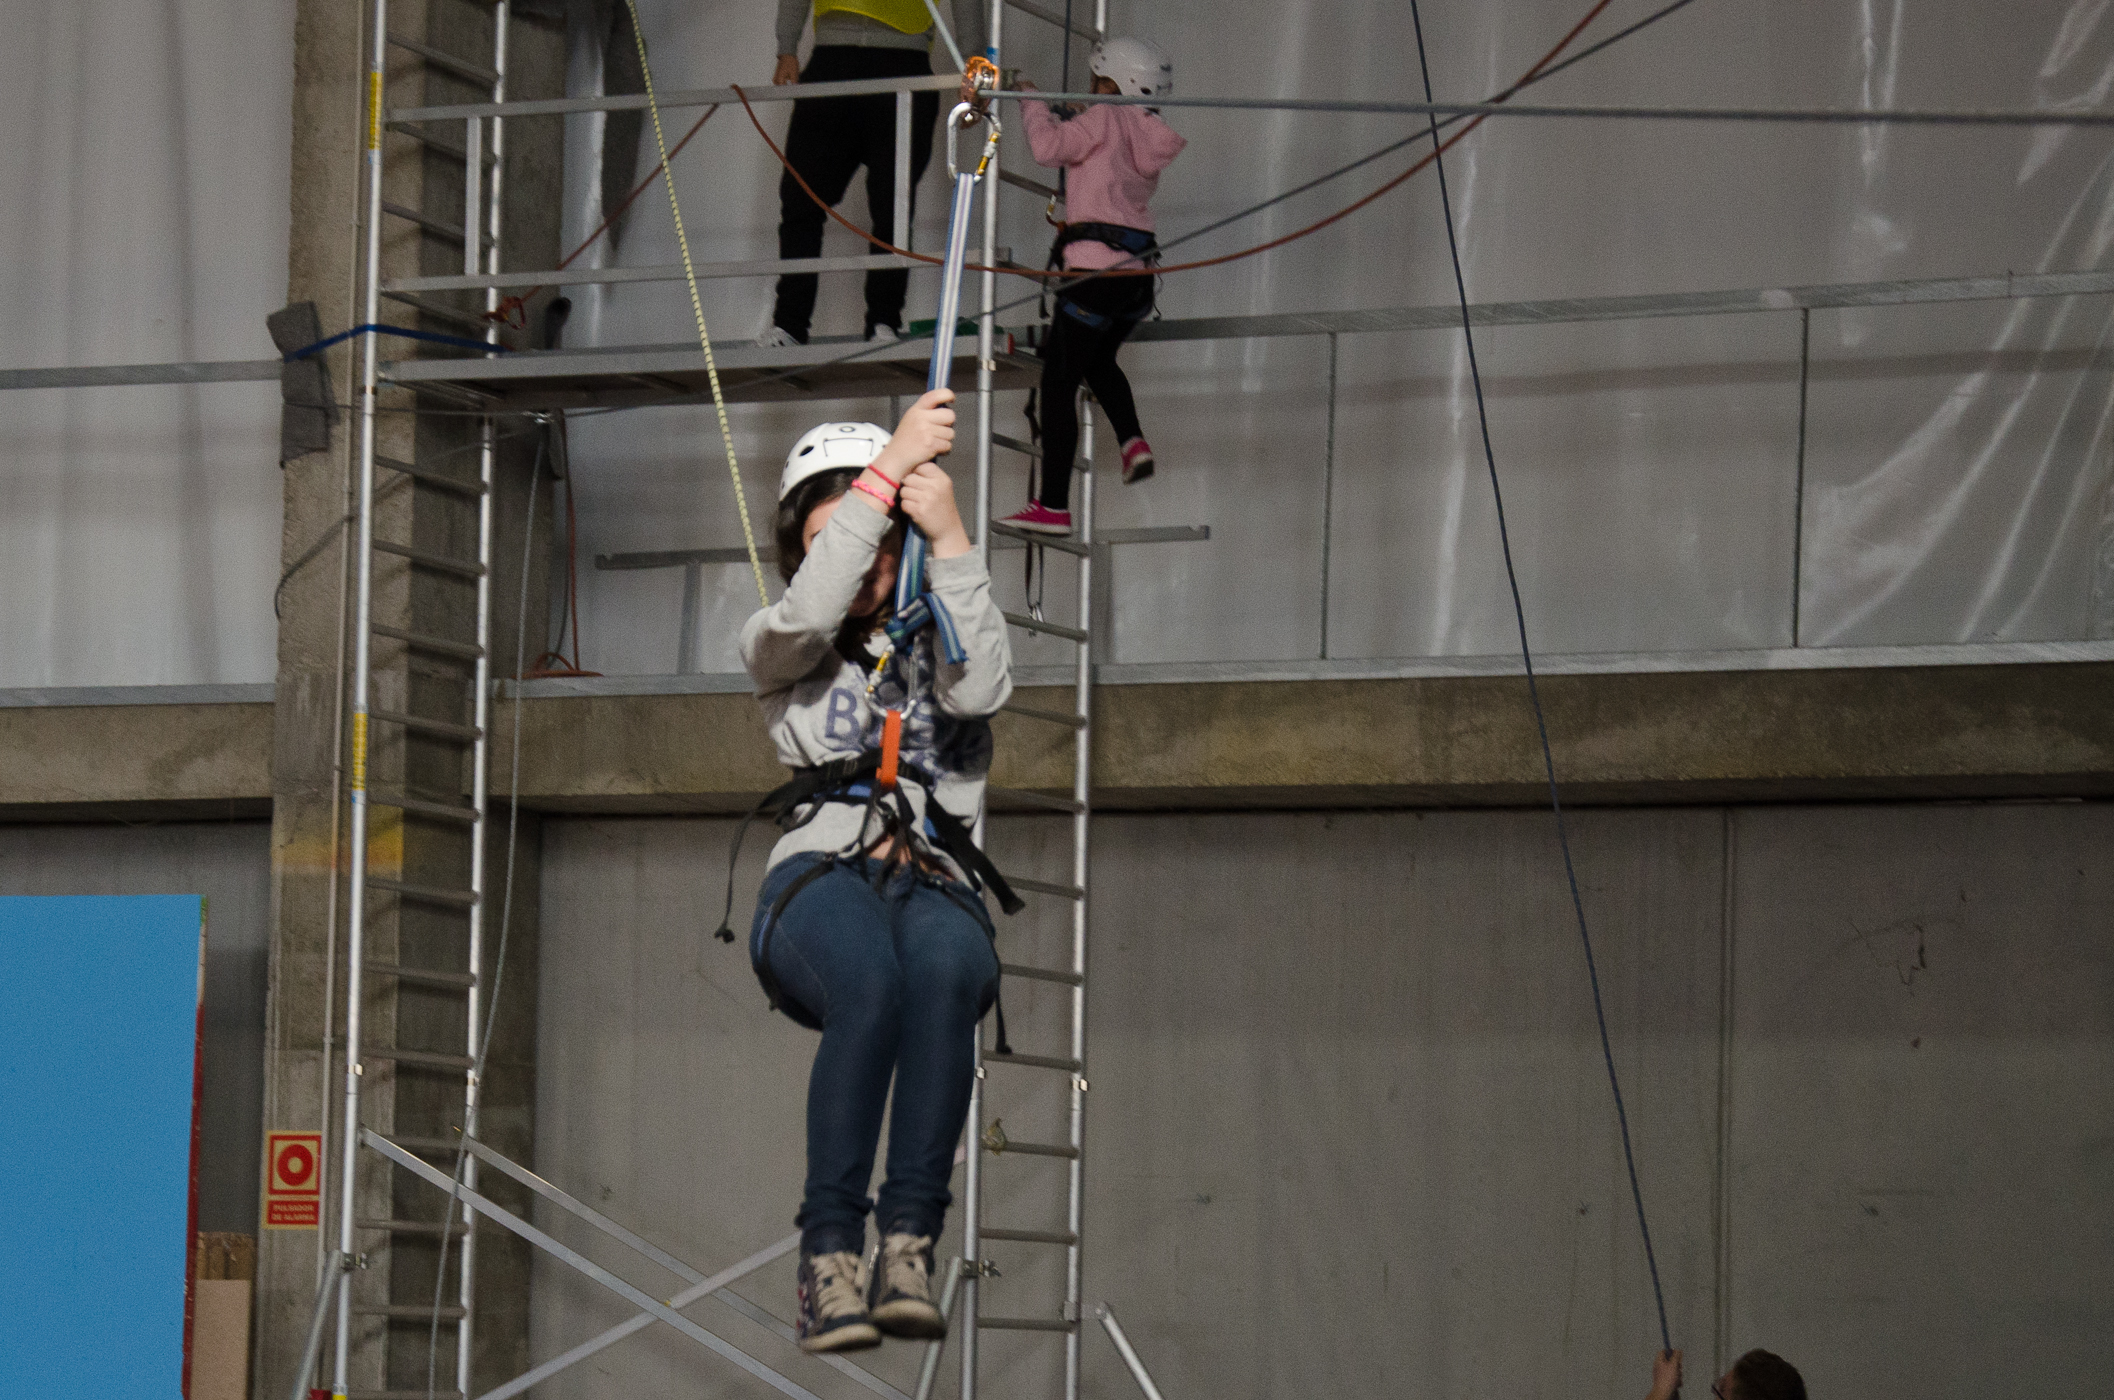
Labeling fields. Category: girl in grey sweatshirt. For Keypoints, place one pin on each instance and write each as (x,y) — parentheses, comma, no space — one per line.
(870,926)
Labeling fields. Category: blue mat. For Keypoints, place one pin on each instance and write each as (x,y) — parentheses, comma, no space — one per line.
(98,1041)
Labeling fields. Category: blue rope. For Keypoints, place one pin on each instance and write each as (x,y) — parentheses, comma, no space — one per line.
(305,351)
(1519,614)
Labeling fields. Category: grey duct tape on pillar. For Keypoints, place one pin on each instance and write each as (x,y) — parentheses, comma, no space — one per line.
(307,411)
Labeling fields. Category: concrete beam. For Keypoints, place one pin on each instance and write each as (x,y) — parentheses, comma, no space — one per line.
(130,762)
(1745,736)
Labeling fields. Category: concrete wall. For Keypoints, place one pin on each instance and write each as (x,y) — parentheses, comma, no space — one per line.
(230,864)
(1350,1132)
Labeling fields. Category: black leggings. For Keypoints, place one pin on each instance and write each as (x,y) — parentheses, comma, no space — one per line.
(1076,352)
(829,139)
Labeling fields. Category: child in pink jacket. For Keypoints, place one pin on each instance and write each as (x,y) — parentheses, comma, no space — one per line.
(1112,156)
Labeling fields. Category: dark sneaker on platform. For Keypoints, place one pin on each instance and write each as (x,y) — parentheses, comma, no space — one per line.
(833,1304)
(900,1297)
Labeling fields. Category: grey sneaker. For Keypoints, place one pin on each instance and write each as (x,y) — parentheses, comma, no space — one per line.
(833,1304)
(900,1296)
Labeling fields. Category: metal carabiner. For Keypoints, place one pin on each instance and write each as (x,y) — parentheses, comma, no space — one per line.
(964,116)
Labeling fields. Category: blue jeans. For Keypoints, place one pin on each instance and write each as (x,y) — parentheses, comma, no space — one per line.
(896,976)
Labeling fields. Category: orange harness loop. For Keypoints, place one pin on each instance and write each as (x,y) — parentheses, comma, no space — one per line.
(891,748)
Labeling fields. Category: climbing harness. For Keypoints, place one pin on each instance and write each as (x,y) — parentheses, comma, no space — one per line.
(697,306)
(873,780)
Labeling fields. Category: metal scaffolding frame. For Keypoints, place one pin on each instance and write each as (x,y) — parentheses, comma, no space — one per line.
(497,384)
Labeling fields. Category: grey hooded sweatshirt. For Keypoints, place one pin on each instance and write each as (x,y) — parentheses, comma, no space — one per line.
(815,702)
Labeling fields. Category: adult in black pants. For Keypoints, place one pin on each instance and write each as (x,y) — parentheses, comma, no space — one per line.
(830,138)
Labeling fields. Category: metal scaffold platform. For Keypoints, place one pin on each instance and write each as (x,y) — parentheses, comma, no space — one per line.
(542,381)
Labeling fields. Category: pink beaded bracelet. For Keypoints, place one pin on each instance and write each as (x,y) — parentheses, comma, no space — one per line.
(887,502)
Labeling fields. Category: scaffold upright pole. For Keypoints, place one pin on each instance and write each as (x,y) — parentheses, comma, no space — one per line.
(362,680)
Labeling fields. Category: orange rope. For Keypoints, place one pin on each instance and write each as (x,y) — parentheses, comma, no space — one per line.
(1068,273)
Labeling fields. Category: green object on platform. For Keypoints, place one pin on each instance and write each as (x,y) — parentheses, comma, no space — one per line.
(919,330)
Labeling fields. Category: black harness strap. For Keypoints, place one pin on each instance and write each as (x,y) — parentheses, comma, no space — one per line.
(838,781)
(807,784)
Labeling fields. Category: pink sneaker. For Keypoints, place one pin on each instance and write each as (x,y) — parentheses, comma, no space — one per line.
(1041,520)
(1137,461)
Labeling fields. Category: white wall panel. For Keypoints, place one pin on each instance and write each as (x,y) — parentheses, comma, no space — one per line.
(1957,465)
(145,187)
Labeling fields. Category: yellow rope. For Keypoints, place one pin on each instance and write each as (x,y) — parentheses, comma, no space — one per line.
(697,305)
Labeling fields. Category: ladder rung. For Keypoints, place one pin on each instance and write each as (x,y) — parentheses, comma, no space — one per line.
(431,1059)
(438,728)
(430,1147)
(1042,974)
(437,227)
(1029,1236)
(428,560)
(1024,1324)
(439,145)
(467,651)
(1054,629)
(407,1312)
(416,1227)
(438,311)
(1022,882)
(429,977)
(424,807)
(1031,1149)
(1014,444)
(425,894)
(441,58)
(1033,1062)
(1057,542)
(441,480)
(1063,717)
(1031,186)
(1036,799)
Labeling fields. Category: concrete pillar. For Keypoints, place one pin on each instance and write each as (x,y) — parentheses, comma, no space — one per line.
(310,874)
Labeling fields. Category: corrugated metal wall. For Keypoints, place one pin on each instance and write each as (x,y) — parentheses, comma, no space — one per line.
(1350,1133)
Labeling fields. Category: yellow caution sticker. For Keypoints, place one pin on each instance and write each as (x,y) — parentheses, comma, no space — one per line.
(359,751)
(374,110)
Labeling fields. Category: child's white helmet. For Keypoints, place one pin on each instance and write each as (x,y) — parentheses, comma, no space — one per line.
(830,447)
(1138,67)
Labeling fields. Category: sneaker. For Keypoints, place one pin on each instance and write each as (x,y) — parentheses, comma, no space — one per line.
(881,333)
(1041,520)
(833,1304)
(1137,461)
(900,1296)
(777,338)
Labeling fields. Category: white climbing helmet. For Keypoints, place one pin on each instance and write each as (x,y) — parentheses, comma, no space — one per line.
(830,447)
(1138,67)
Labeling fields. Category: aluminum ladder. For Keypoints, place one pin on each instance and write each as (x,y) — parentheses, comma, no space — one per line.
(986,1138)
(442,671)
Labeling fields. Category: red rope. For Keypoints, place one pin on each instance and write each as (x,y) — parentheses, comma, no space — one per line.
(1066,273)
(504,312)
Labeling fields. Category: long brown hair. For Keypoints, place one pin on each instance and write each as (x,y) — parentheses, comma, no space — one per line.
(790,529)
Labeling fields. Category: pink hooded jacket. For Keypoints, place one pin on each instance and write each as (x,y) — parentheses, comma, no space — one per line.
(1114,155)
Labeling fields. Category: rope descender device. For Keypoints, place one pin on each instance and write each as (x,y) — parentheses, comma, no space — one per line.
(916,608)
(980,75)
